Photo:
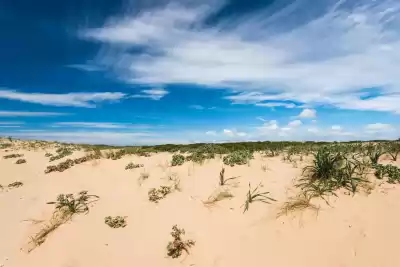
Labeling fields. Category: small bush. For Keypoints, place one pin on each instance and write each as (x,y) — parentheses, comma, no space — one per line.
(74,204)
(116,155)
(175,248)
(62,152)
(11,156)
(157,194)
(131,165)
(15,185)
(47,155)
(240,157)
(20,161)
(115,222)
(177,160)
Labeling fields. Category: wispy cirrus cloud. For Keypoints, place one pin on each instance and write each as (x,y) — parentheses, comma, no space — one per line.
(86,100)
(153,94)
(104,125)
(9,113)
(323,56)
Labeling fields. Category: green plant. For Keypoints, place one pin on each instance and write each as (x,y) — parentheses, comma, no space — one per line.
(74,204)
(20,161)
(177,160)
(15,184)
(254,196)
(115,222)
(157,194)
(325,164)
(131,165)
(47,155)
(178,245)
(13,156)
(222,180)
(374,152)
(240,157)
(62,152)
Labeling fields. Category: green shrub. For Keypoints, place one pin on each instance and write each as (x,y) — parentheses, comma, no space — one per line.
(20,161)
(175,248)
(131,165)
(238,158)
(157,194)
(11,156)
(177,160)
(115,222)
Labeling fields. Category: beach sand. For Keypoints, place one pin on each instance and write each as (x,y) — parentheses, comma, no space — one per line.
(352,231)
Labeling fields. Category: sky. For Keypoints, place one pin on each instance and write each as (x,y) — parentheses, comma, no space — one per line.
(158,71)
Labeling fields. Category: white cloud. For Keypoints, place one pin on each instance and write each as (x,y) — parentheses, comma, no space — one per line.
(213,133)
(295,123)
(379,127)
(87,100)
(154,94)
(313,130)
(324,56)
(10,126)
(336,128)
(233,133)
(308,113)
(276,104)
(314,121)
(104,125)
(11,123)
(199,107)
(5,113)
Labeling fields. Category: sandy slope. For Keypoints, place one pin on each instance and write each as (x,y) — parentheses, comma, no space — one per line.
(354,231)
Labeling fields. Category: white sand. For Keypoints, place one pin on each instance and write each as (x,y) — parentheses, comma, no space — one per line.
(354,231)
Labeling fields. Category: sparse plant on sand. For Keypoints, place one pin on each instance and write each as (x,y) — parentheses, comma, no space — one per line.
(177,160)
(143,176)
(156,194)
(66,206)
(15,184)
(222,180)
(115,222)
(78,204)
(20,161)
(264,167)
(131,166)
(394,150)
(374,152)
(254,196)
(178,245)
(240,157)
(62,152)
(47,155)
(11,156)
(298,203)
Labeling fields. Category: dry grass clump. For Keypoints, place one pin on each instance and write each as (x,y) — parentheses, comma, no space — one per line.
(219,194)
(156,194)
(11,156)
(20,161)
(254,196)
(115,222)
(66,206)
(300,202)
(176,247)
(15,184)
(131,166)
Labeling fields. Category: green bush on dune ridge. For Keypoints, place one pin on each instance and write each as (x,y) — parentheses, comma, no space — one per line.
(177,160)
(238,158)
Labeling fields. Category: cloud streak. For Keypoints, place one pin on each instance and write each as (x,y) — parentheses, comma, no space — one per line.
(6,113)
(323,56)
(86,100)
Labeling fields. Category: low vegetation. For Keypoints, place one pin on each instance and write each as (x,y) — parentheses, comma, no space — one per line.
(62,152)
(256,196)
(62,166)
(223,180)
(11,156)
(115,222)
(392,173)
(240,157)
(156,194)
(66,206)
(177,160)
(178,245)
(20,161)
(131,166)
(15,184)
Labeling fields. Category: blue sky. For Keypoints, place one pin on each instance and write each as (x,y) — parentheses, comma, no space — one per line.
(159,71)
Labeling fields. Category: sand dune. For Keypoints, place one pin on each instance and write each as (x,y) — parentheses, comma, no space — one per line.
(359,230)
